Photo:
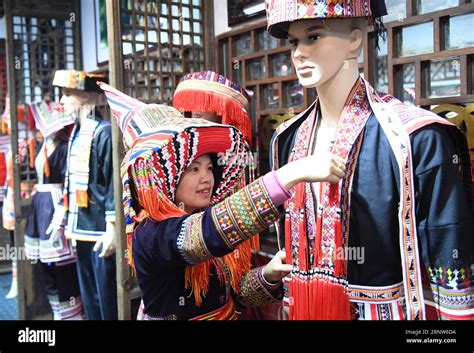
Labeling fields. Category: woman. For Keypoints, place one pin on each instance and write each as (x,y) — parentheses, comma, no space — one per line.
(190,235)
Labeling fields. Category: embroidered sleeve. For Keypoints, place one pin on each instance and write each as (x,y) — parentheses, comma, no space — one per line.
(244,214)
(215,232)
(218,230)
(445,224)
(191,243)
(453,293)
(255,291)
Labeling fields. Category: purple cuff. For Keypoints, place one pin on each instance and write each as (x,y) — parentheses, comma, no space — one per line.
(271,287)
(275,190)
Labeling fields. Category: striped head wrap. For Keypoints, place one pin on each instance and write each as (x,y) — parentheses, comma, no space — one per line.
(161,144)
(281,13)
(210,92)
(48,117)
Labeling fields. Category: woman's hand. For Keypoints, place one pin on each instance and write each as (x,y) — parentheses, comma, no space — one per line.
(315,168)
(276,269)
(324,167)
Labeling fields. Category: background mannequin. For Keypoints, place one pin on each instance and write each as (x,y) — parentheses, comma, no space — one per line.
(56,254)
(90,194)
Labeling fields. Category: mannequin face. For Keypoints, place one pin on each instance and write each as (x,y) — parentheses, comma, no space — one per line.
(72,100)
(320,48)
(194,190)
(210,116)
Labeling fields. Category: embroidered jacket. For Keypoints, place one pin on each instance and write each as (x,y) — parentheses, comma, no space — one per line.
(89,223)
(162,251)
(377,274)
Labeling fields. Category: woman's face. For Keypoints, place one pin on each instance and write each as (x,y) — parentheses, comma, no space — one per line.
(194,190)
(319,49)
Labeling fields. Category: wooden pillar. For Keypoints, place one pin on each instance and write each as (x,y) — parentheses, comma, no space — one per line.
(10,58)
(124,282)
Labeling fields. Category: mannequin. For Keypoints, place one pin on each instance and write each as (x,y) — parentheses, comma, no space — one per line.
(56,254)
(394,154)
(89,205)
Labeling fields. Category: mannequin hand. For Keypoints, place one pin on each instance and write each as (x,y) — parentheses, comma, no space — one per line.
(34,191)
(56,228)
(276,269)
(107,241)
(315,168)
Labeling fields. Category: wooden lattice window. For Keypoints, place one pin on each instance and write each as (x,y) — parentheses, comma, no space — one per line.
(161,40)
(42,46)
(44,41)
(427,59)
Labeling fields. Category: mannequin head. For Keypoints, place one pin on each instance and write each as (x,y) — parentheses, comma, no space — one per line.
(322,49)
(79,102)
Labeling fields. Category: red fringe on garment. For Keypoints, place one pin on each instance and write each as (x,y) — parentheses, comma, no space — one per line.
(230,269)
(313,297)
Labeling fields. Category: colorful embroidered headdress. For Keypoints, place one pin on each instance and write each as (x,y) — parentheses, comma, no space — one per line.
(210,92)
(161,144)
(79,80)
(281,13)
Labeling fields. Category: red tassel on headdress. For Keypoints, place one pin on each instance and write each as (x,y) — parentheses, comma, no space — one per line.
(158,206)
(231,112)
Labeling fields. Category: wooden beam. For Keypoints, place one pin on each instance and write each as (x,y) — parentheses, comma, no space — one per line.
(209,35)
(390,63)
